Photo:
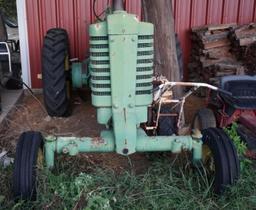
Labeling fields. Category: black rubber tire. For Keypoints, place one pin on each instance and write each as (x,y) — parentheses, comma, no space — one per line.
(204,119)
(179,56)
(55,51)
(227,166)
(166,124)
(24,174)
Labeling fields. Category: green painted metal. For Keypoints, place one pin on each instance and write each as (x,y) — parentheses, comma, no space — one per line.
(123,57)
(121,61)
(121,74)
(107,143)
(80,74)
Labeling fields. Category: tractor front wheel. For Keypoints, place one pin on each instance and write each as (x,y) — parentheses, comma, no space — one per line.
(204,119)
(55,67)
(29,156)
(220,159)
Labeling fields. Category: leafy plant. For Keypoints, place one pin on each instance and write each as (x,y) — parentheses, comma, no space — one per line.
(167,184)
(162,186)
(239,144)
(98,202)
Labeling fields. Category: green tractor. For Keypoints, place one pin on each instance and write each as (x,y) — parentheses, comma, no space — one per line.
(129,101)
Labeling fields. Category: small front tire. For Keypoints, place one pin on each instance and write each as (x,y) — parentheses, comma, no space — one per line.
(204,119)
(221,153)
(29,146)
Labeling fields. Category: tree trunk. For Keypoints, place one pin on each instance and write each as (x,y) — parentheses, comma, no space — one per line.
(159,12)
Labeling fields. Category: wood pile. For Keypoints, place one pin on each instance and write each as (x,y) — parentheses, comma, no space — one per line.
(250,61)
(211,55)
(243,40)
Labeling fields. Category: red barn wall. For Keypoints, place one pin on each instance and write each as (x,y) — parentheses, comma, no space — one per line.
(76,15)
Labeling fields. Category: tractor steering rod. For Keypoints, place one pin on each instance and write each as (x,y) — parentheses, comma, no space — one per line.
(118,5)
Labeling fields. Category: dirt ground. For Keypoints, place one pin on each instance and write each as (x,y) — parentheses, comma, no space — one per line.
(30,114)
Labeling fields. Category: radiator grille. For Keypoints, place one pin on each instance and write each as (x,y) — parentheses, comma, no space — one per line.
(141,69)
(98,38)
(140,77)
(101,93)
(101,85)
(144,61)
(145,56)
(142,53)
(101,70)
(99,54)
(145,37)
(99,62)
(142,45)
(100,78)
(100,66)
(147,84)
(99,46)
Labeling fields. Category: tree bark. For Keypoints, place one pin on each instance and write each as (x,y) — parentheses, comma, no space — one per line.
(159,12)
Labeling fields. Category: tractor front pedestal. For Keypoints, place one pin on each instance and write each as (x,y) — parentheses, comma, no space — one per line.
(106,143)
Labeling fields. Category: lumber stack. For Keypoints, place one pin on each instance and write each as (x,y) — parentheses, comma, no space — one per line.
(250,61)
(243,40)
(211,55)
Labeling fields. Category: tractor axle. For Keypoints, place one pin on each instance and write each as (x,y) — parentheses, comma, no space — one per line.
(106,143)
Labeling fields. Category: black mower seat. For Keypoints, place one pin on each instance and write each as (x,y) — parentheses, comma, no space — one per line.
(243,89)
(3,48)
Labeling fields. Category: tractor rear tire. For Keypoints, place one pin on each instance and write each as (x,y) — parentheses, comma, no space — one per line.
(25,166)
(166,124)
(204,119)
(225,158)
(55,53)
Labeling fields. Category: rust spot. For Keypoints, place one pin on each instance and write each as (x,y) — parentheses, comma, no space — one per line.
(97,141)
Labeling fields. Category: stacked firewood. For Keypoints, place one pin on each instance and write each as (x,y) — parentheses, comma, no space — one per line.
(250,60)
(243,39)
(211,55)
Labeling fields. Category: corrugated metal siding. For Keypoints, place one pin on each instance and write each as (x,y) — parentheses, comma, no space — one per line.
(76,15)
(73,15)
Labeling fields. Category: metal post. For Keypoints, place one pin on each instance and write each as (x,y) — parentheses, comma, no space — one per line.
(118,5)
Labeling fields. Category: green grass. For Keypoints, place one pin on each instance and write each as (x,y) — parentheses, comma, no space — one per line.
(161,187)
(167,184)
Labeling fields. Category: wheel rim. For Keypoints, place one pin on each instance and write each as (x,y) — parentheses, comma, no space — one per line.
(208,160)
(40,159)
(207,156)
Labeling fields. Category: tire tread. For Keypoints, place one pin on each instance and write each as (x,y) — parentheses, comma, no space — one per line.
(55,50)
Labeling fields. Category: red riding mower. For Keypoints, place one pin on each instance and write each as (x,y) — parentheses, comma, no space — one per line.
(239,106)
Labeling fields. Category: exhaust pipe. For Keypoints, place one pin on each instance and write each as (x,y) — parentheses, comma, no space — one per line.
(118,5)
